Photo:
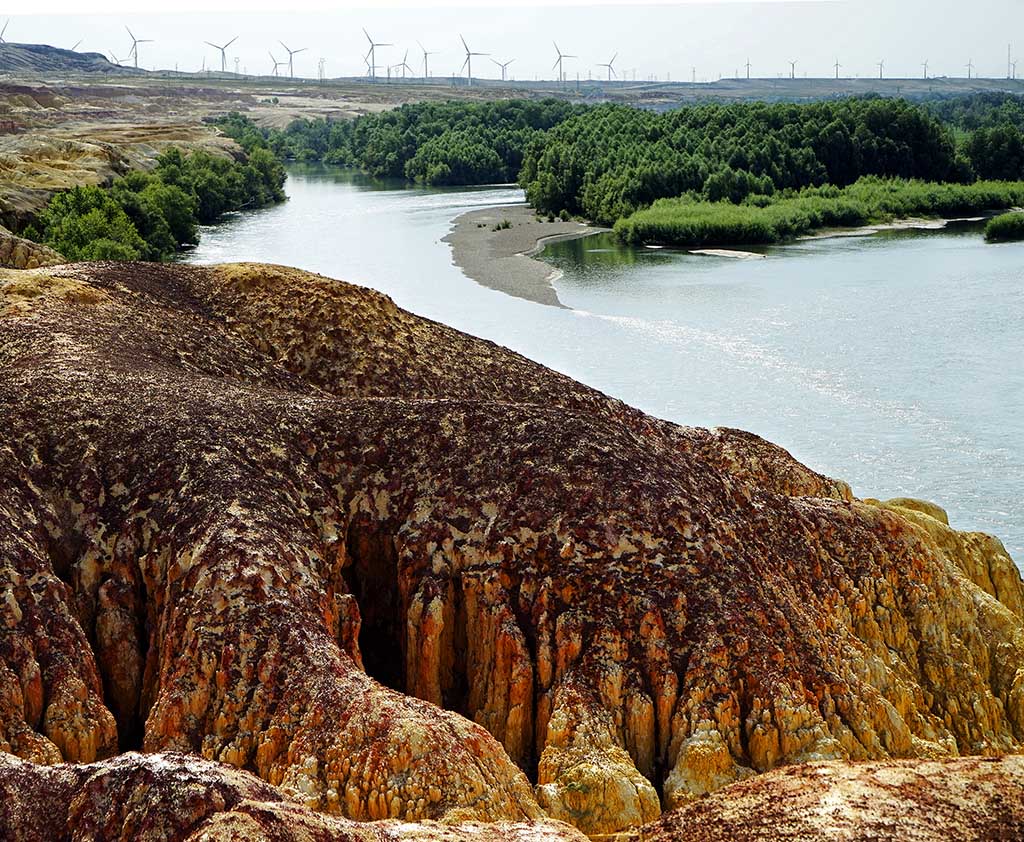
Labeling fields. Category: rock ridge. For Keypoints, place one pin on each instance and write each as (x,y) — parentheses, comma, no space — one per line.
(274,520)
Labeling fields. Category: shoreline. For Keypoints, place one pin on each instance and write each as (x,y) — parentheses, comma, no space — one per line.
(505,259)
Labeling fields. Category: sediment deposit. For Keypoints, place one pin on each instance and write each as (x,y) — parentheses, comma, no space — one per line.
(271,519)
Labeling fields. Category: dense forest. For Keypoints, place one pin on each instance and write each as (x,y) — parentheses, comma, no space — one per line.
(430,142)
(150,216)
(606,162)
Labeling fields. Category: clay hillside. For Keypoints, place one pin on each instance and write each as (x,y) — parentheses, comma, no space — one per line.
(391,572)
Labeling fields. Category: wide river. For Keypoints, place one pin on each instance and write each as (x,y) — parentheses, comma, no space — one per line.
(894,361)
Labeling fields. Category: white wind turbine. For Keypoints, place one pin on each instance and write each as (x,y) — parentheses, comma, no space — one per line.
(135,45)
(291,55)
(426,66)
(373,53)
(467,65)
(558,62)
(223,52)
(277,63)
(504,68)
(611,67)
(881,69)
(403,64)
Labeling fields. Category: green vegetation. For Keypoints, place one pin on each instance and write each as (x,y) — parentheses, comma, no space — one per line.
(761,219)
(612,160)
(149,216)
(1005,228)
(434,143)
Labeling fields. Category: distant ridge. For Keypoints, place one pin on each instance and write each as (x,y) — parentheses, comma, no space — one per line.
(35,58)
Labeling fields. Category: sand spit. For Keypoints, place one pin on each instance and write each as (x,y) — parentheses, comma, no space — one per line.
(503,259)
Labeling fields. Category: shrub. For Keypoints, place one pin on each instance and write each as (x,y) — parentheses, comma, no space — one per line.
(1006,227)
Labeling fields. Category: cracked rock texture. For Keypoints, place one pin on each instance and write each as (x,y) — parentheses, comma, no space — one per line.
(969,800)
(271,519)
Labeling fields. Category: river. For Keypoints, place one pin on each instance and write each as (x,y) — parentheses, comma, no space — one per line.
(892,361)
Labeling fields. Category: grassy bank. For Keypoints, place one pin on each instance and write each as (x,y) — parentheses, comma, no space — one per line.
(1005,228)
(150,216)
(690,222)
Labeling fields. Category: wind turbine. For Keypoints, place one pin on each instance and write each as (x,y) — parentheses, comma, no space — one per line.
(558,62)
(277,63)
(970,67)
(504,67)
(404,64)
(924,64)
(291,55)
(792,70)
(881,68)
(748,68)
(837,66)
(611,67)
(4,31)
(468,63)
(1013,65)
(135,45)
(223,52)
(373,54)
(426,66)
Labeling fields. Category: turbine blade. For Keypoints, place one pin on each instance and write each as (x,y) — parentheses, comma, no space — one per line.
(557,61)
(130,32)
(464,44)
(211,44)
(464,63)
(367,34)
(302,50)
(229,43)
(613,59)
(283,44)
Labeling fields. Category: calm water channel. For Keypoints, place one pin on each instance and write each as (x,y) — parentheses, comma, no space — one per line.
(893,361)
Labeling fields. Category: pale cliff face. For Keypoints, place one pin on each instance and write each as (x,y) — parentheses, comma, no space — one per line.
(272,519)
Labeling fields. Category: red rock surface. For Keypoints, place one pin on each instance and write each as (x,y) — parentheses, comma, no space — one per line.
(271,519)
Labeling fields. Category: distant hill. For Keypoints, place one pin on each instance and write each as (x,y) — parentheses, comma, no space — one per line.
(42,58)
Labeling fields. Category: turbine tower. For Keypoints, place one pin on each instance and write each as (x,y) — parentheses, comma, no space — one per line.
(291,55)
(373,54)
(404,64)
(792,70)
(223,52)
(881,68)
(924,64)
(747,65)
(611,67)
(504,67)
(135,45)
(467,65)
(837,65)
(426,65)
(970,67)
(558,63)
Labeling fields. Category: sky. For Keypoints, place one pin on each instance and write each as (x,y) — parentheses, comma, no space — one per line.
(678,40)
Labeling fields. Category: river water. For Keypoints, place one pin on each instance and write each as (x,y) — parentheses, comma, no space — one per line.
(892,361)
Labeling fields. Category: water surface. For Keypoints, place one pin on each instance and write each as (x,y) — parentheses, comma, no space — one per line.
(892,361)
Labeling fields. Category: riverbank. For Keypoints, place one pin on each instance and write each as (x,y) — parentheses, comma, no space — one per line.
(502,258)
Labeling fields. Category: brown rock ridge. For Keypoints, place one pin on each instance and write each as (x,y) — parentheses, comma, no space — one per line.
(272,519)
(969,800)
(182,798)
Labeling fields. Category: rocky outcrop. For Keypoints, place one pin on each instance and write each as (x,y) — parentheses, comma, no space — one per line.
(19,253)
(181,798)
(273,520)
(970,800)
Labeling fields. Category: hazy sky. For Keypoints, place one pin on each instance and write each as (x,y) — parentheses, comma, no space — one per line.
(655,38)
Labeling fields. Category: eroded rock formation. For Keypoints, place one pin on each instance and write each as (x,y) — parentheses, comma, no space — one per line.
(182,798)
(272,519)
(19,253)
